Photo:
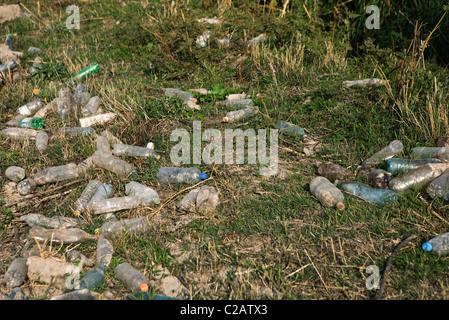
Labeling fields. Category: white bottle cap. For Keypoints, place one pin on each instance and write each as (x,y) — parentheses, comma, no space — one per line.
(150,145)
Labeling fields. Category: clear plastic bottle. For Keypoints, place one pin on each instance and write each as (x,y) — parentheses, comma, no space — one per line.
(78,131)
(398,166)
(366,83)
(93,278)
(183,95)
(440,186)
(112,163)
(31,123)
(377,177)
(147,195)
(111,138)
(420,176)
(240,114)
(103,144)
(78,96)
(133,151)
(332,171)
(63,236)
(105,191)
(7,66)
(380,197)
(428,152)
(206,200)
(14,121)
(236,103)
(132,226)
(130,276)
(19,133)
(30,108)
(237,96)
(16,294)
(97,119)
(56,174)
(55,222)
(85,165)
(15,173)
(81,203)
(393,148)
(290,129)
(42,141)
(188,203)
(438,244)
(327,193)
(180,175)
(115,204)
(41,113)
(91,107)
(65,102)
(16,274)
(105,250)
(26,186)
(255,41)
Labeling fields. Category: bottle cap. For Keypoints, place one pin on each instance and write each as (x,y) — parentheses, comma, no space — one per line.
(143,287)
(427,246)
(203,176)
(225,119)
(340,206)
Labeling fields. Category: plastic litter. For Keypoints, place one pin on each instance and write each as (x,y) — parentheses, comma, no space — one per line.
(19,133)
(16,294)
(133,151)
(112,163)
(81,203)
(377,177)
(236,103)
(15,173)
(180,175)
(31,123)
(115,204)
(63,236)
(91,107)
(440,186)
(56,174)
(255,41)
(130,276)
(381,197)
(16,274)
(30,108)
(428,152)
(65,102)
(240,114)
(332,171)
(400,166)
(146,195)
(203,39)
(131,226)
(105,250)
(104,191)
(366,83)
(290,129)
(84,73)
(55,222)
(438,244)
(26,186)
(78,131)
(93,278)
(393,148)
(7,66)
(97,119)
(41,141)
(327,193)
(420,176)
(41,113)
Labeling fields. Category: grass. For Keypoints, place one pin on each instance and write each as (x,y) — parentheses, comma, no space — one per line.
(269,237)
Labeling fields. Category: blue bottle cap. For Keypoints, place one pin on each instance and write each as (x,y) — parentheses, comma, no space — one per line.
(134,174)
(427,246)
(203,176)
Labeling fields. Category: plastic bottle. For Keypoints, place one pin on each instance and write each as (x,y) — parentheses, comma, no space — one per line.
(89,70)
(428,152)
(31,123)
(9,42)
(380,197)
(104,191)
(146,194)
(332,171)
(438,244)
(7,66)
(26,186)
(30,108)
(240,114)
(13,122)
(180,175)
(93,278)
(440,186)
(400,166)
(55,222)
(366,83)
(56,174)
(327,193)
(103,144)
(133,151)
(78,131)
(65,102)
(63,236)
(110,137)
(393,148)
(260,38)
(132,226)
(188,203)
(237,96)
(97,119)
(15,173)
(81,203)
(42,141)
(130,276)
(236,103)
(206,200)
(82,294)
(105,250)
(419,176)
(36,65)
(150,145)
(16,274)
(41,113)
(290,129)
(16,294)
(183,95)
(34,49)
(19,133)
(91,107)
(143,294)
(84,166)
(79,90)
(442,142)
(377,177)
(112,164)
(115,204)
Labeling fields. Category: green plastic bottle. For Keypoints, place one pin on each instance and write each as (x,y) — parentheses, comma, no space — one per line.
(31,123)
(93,68)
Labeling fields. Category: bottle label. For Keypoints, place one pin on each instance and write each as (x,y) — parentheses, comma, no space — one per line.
(25,122)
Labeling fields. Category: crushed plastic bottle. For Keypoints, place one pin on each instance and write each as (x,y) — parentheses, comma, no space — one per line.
(31,123)
(398,166)
(41,113)
(84,166)
(438,244)
(133,151)
(377,177)
(182,95)
(15,173)
(30,108)
(180,175)
(65,102)
(327,193)
(26,186)
(81,96)
(78,131)
(105,250)
(113,164)
(110,137)
(42,141)
(366,83)
(147,195)
(290,129)
(428,152)
(240,114)
(381,197)
(130,276)
(19,133)
(236,103)
(332,171)
(91,107)
(203,39)
(16,294)
(81,203)
(63,236)
(440,186)
(105,191)
(56,174)
(93,278)
(16,274)
(188,203)
(115,204)
(55,222)
(97,119)
(9,42)
(131,226)
(393,148)
(103,144)
(420,176)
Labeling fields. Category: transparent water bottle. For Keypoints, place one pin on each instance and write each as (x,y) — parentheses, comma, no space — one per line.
(130,276)
(110,137)
(428,152)
(236,103)
(85,165)
(240,114)
(56,174)
(42,141)
(206,200)
(55,222)
(115,204)
(237,96)
(132,226)
(81,203)
(81,95)
(41,113)
(65,102)
(381,197)
(420,176)
(91,107)
(31,107)
(105,191)
(377,177)
(182,95)
(440,186)
(147,195)
(366,83)
(133,151)
(16,294)
(97,119)
(438,244)
(63,236)
(26,186)
(398,166)
(188,203)
(180,175)
(113,164)
(290,129)
(78,131)
(93,278)
(255,41)
(16,274)
(332,171)
(105,250)
(15,173)
(327,193)
(19,133)
(393,148)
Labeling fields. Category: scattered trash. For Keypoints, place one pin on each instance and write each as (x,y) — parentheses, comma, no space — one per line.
(113,164)
(332,171)
(41,113)
(104,191)
(30,108)
(438,244)
(203,200)
(130,276)
(93,278)
(428,152)
(34,49)
(240,114)
(380,197)
(65,102)
(130,226)
(420,175)
(105,250)
(327,193)
(91,188)
(400,166)
(31,123)
(78,131)
(180,175)
(97,119)
(91,107)
(255,41)
(26,186)
(203,39)
(81,96)
(377,177)
(19,133)
(133,151)
(16,294)
(146,195)
(185,96)
(16,274)
(55,222)
(41,141)
(89,70)
(387,152)
(366,83)
(62,236)
(15,174)
(290,129)
(440,186)
(237,103)
(56,174)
